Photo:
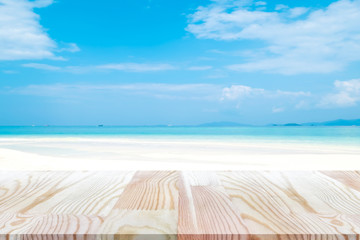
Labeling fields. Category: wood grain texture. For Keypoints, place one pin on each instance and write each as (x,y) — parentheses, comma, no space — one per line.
(150,191)
(291,204)
(147,209)
(206,211)
(180,205)
(350,179)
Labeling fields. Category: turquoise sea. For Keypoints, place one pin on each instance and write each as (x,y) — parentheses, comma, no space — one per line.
(304,134)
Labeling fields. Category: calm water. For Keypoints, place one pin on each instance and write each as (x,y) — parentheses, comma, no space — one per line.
(333,135)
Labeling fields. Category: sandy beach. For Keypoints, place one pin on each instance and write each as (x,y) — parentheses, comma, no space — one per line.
(101,153)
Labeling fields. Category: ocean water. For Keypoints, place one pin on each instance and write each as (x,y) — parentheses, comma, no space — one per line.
(301,134)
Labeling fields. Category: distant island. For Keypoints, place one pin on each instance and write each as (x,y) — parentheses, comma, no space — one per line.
(338,122)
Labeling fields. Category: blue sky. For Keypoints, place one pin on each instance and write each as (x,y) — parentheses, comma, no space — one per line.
(136,62)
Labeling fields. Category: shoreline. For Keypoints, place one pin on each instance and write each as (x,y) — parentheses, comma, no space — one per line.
(84,153)
(305,140)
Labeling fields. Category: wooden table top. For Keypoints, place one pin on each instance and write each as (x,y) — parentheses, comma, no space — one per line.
(180,205)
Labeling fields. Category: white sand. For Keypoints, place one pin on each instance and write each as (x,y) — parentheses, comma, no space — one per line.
(171,154)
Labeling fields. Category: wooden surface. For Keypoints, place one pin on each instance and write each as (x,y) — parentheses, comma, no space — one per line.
(180,205)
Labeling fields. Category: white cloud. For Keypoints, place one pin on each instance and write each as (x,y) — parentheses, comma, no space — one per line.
(239,91)
(347,94)
(129,67)
(137,67)
(156,90)
(199,68)
(42,66)
(21,35)
(260,3)
(116,87)
(69,47)
(298,11)
(41,3)
(236,92)
(216,51)
(213,92)
(277,109)
(9,72)
(281,7)
(293,94)
(303,105)
(287,65)
(297,40)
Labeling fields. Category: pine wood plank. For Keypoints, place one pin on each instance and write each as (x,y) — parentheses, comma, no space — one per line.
(185,205)
(147,209)
(150,191)
(76,193)
(349,178)
(293,203)
(206,211)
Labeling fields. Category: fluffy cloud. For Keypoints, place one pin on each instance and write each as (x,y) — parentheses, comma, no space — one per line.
(240,91)
(21,35)
(236,92)
(347,94)
(296,40)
